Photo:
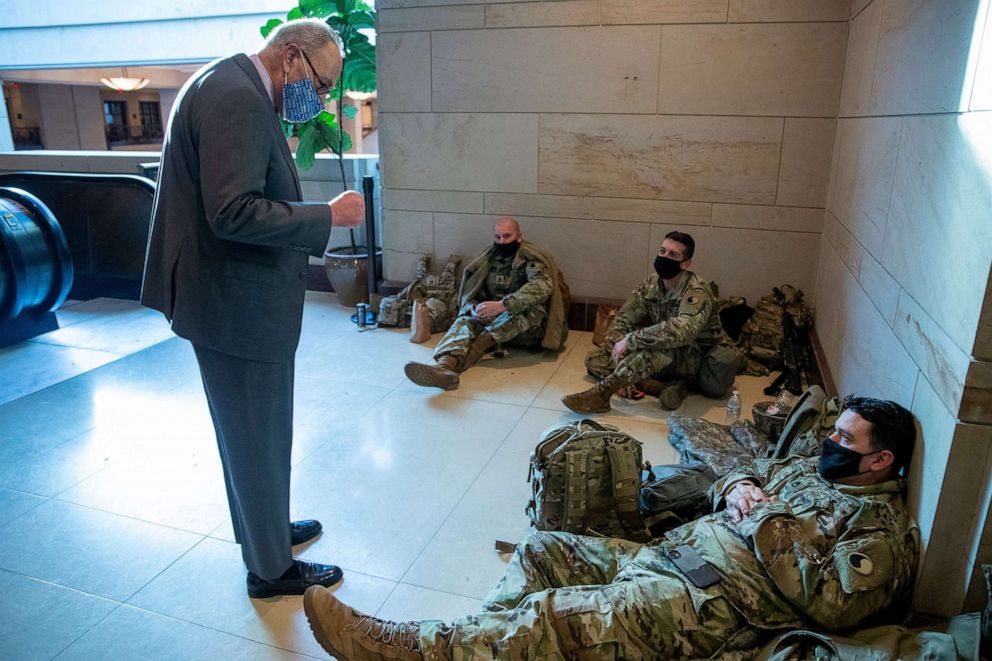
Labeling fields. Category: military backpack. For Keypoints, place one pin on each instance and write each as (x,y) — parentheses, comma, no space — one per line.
(586,478)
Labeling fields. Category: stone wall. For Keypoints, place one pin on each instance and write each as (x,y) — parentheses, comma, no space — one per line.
(902,296)
(604,125)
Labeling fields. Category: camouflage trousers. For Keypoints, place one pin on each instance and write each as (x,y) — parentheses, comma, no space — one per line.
(524,329)
(592,598)
(711,371)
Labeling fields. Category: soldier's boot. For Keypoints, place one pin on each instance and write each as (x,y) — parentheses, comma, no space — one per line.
(345,633)
(442,375)
(650,386)
(420,323)
(672,397)
(480,345)
(597,398)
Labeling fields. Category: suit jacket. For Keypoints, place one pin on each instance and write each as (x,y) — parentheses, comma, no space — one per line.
(227,251)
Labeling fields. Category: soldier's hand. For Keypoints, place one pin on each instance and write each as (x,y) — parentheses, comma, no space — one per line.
(619,349)
(743,498)
(347,209)
(488,310)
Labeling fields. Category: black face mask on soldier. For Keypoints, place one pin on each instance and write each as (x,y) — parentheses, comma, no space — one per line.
(666,267)
(505,249)
(837,462)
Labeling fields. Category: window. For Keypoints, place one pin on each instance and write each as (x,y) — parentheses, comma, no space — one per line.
(151,119)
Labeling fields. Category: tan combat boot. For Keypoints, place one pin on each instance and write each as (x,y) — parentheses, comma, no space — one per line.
(480,345)
(349,635)
(672,397)
(596,399)
(443,375)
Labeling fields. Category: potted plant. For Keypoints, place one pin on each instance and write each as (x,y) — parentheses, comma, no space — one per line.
(345,265)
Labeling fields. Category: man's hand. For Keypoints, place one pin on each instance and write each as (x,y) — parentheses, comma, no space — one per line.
(743,498)
(488,310)
(347,209)
(619,349)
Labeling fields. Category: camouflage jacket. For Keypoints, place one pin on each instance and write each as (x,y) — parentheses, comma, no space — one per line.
(653,318)
(823,553)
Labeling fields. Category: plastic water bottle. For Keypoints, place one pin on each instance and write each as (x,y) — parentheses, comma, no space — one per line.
(734,408)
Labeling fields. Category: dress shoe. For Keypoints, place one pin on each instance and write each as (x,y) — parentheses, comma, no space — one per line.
(295,580)
(345,633)
(303,531)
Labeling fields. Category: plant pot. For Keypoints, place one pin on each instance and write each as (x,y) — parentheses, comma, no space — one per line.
(347,271)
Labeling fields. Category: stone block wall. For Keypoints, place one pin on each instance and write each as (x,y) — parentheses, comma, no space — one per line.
(902,293)
(602,125)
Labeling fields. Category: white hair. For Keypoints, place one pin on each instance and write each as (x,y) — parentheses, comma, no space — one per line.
(310,34)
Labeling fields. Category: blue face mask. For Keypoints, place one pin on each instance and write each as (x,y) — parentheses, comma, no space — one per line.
(300,102)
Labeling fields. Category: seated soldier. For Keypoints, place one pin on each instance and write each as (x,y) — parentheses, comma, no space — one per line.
(668,329)
(509,294)
(805,541)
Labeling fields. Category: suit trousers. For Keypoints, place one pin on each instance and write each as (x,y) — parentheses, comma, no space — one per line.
(251,404)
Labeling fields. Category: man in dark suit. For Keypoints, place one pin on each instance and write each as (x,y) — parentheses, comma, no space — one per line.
(227,265)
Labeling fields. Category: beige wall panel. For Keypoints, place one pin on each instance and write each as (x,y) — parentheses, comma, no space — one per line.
(938,240)
(58,117)
(858,5)
(787,219)
(942,583)
(570,12)
(431,18)
(89,117)
(859,64)
(394,4)
(983,338)
(408,231)
(976,404)
(746,262)
(981,93)
(665,11)
(943,364)
(432,200)
(756,11)
(923,56)
(404,72)
(458,151)
(935,431)
(807,146)
(464,234)
(846,246)
(599,208)
(881,287)
(863,353)
(399,265)
(770,69)
(717,159)
(864,161)
(546,70)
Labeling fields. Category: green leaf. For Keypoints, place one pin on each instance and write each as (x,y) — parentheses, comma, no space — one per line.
(269,27)
(287,128)
(306,149)
(319,8)
(361,19)
(345,6)
(363,6)
(360,76)
(351,112)
(327,128)
(294,14)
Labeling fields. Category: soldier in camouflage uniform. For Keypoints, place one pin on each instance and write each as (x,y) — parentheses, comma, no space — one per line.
(510,294)
(804,541)
(667,329)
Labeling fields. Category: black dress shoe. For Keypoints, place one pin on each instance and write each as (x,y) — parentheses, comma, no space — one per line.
(295,580)
(302,531)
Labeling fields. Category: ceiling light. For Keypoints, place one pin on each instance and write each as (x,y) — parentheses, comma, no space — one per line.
(125,83)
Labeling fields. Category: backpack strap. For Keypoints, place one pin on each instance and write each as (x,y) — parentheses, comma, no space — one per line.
(576,498)
(804,412)
(626,488)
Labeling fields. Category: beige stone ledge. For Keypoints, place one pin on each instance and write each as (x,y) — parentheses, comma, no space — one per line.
(858,5)
(432,200)
(546,70)
(664,11)
(777,69)
(705,159)
(761,217)
(807,146)
(599,208)
(566,12)
(976,403)
(431,18)
(782,11)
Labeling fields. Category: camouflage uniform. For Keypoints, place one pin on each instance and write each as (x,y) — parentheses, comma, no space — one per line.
(823,554)
(523,286)
(682,326)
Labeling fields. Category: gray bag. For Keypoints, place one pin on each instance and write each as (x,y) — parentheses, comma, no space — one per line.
(675,494)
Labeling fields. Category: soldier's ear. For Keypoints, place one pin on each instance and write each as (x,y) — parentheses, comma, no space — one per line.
(883,460)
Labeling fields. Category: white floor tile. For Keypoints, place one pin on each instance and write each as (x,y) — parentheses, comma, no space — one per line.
(130,329)
(28,367)
(15,503)
(409,602)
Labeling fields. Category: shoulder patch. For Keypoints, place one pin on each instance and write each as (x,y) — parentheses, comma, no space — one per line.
(861,563)
(692,300)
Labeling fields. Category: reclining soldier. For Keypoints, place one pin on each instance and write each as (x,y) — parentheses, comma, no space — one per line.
(509,294)
(804,541)
(668,329)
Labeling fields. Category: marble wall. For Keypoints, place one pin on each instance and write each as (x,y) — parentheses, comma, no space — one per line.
(902,287)
(604,124)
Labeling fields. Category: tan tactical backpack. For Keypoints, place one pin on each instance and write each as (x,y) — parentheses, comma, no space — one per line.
(586,478)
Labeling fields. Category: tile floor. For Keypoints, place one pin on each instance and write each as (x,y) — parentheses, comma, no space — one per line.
(115,541)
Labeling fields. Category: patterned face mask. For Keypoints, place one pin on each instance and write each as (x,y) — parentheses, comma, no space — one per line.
(300,102)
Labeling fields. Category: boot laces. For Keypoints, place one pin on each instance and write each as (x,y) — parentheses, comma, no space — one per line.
(405,635)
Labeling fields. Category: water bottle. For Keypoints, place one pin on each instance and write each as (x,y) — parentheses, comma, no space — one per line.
(734,408)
